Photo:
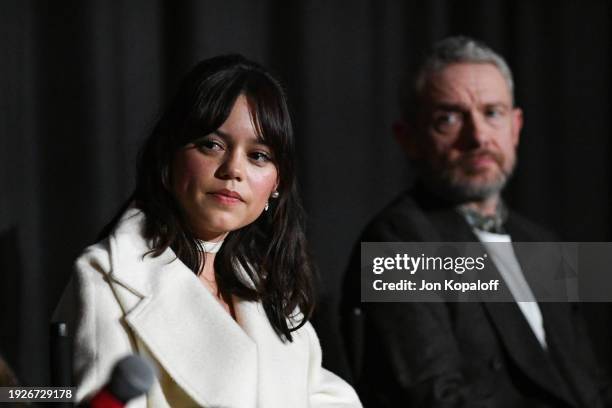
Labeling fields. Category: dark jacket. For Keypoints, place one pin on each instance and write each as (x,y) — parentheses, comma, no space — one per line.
(463,354)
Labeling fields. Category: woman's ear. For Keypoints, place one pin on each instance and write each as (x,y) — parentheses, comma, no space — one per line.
(276,183)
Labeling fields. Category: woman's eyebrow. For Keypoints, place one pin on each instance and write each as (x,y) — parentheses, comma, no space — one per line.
(258,140)
(222,134)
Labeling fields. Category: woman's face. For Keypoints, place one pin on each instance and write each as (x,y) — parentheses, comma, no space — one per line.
(223,180)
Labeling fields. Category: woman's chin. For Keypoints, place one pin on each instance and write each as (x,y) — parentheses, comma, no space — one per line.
(216,225)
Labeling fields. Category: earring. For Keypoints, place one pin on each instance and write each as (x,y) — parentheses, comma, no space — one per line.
(274,195)
(165,177)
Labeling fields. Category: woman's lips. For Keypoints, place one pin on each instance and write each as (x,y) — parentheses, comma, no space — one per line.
(226,197)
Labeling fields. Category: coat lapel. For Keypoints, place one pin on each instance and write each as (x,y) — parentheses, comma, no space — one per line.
(280,364)
(182,324)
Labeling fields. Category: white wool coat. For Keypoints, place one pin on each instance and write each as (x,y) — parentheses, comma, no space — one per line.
(120,302)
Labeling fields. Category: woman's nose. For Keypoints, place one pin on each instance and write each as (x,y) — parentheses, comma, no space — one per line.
(232,167)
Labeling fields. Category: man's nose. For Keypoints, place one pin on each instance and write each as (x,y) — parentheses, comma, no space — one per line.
(232,167)
(475,132)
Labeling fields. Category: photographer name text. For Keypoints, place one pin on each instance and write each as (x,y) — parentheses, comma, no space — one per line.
(448,285)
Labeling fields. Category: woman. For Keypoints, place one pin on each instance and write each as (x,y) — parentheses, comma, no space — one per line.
(206,273)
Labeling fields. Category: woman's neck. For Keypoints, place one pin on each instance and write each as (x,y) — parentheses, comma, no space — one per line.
(208,269)
(208,278)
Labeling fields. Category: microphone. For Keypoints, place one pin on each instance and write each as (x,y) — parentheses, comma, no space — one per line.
(60,364)
(132,376)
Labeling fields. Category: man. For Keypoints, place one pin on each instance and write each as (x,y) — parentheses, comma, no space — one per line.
(461,129)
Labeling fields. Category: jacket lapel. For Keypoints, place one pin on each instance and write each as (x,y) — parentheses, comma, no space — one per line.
(184,327)
(568,350)
(508,320)
(524,349)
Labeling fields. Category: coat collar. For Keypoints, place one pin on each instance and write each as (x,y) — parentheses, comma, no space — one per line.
(198,344)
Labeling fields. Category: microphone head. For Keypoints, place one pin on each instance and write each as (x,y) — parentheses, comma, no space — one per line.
(132,376)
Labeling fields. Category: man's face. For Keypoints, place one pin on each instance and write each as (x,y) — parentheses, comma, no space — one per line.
(467,131)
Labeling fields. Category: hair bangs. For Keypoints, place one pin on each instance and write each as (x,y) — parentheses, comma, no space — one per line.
(271,119)
(212,105)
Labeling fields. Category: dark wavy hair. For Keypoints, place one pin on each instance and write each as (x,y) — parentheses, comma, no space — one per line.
(272,250)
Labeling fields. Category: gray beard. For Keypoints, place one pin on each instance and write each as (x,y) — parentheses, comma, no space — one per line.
(458,191)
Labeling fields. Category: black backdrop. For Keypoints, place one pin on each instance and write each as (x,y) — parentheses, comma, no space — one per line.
(82,81)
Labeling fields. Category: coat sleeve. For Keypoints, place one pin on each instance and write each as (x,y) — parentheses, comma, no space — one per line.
(326,389)
(95,322)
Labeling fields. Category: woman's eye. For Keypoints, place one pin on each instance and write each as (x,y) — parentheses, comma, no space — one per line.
(210,145)
(261,157)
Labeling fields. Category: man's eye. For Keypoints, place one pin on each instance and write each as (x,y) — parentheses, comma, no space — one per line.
(447,120)
(449,117)
(494,113)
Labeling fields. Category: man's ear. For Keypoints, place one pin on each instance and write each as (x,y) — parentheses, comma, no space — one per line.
(405,134)
(517,125)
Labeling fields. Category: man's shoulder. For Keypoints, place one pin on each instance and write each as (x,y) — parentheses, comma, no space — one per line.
(416,216)
(524,229)
(403,219)
(403,206)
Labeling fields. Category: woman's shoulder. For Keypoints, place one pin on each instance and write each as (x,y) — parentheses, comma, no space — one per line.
(94,258)
(120,258)
(126,236)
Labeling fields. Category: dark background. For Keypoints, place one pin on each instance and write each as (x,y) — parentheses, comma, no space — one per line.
(83,81)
